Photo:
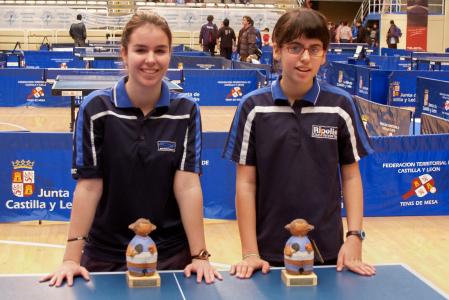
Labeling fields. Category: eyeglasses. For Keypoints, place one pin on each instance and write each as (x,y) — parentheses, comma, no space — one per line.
(298,49)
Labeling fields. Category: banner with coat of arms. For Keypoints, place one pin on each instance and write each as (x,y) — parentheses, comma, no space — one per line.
(35,179)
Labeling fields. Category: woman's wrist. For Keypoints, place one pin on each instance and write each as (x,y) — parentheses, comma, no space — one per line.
(245,256)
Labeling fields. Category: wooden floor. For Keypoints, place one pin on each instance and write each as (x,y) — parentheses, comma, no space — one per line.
(420,242)
(39,119)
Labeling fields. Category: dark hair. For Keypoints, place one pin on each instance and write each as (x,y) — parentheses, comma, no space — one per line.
(391,22)
(210,18)
(142,18)
(79,16)
(248,19)
(301,22)
(345,23)
(226,22)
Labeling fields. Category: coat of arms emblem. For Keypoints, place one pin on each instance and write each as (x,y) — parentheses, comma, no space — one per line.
(22,178)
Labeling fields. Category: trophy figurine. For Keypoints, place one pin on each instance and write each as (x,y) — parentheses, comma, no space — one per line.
(299,256)
(141,256)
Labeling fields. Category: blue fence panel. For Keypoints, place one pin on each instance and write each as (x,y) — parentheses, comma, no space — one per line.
(221,87)
(407,176)
(35,176)
(402,86)
(390,62)
(432,97)
(218,180)
(395,52)
(52,59)
(267,55)
(24,87)
(343,76)
(411,172)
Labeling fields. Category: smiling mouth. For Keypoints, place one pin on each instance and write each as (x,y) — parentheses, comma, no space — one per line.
(150,72)
(303,69)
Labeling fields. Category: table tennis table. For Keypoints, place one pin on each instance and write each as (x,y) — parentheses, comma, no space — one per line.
(81,85)
(391,282)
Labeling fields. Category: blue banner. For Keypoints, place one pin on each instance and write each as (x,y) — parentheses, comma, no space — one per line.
(35,176)
(396,52)
(221,87)
(402,86)
(24,87)
(218,179)
(390,62)
(52,59)
(343,76)
(432,97)
(407,176)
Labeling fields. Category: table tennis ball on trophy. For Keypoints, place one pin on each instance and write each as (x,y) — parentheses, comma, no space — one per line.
(141,254)
(298,251)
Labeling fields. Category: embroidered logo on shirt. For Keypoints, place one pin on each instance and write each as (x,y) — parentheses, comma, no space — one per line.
(324,132)
(166,146)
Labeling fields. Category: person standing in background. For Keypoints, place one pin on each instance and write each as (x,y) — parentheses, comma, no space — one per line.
(374,36)
(247,39)
(345,33)
(393,35)
(362,34)
(208,36)
(78,32)
(227,39)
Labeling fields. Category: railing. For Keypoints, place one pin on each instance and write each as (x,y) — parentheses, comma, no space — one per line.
(435,7)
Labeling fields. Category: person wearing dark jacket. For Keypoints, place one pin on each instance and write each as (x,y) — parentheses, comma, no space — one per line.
(227,39)
(393,35)
(362,34)
(247,39)
(78,32)
(208,36)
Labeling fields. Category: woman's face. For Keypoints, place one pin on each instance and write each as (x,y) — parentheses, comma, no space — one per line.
(147,56)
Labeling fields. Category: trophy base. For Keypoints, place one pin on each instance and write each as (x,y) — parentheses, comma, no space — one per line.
(299,280)
(144,281)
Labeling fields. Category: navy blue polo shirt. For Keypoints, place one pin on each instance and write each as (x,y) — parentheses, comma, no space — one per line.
(137,157)
(297,151)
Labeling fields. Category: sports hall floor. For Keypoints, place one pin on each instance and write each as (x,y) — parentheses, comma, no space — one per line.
(30,247)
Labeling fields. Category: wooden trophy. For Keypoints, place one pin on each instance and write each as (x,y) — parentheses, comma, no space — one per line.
(299,256)
(141,256)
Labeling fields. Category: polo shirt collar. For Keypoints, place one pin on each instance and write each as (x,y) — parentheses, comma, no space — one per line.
(311,96)
(121,99)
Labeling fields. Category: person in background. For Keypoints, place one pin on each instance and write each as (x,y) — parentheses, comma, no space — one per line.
(374,36)
(286,139)
(337,32)
(227,38)
(354,30)
(362,34)
(208,36)
(78,32)
(266,36)
(393,35)
(246,44)
(345,33)
(332,31)
(258,40)
(137,154)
